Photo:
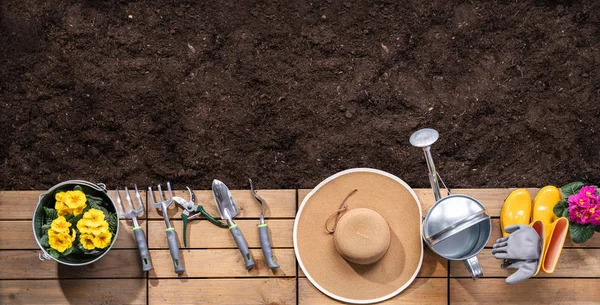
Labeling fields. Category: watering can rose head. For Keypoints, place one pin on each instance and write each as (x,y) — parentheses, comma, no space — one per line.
(581,205)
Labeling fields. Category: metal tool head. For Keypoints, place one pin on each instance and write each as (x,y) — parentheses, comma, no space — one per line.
(160,196)
(225,203)
(260,200)
(185,204)
(424,137)
(132,212)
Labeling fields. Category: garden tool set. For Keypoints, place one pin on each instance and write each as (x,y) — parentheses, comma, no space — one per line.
(138,233)
(228,209)
(198,210)
(171,235)
(551,231)
(263,231)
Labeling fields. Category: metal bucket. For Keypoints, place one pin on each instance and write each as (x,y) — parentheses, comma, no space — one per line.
(47,199)
(456,227)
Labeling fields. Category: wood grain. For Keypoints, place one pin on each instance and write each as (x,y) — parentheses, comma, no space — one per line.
(25,264)
(222,291)
(572,263)
(21,204)
(433,266)
(280,204)
(204,234)
(21,235)
(531,292)
(420,291)
(221,263)
(63,291)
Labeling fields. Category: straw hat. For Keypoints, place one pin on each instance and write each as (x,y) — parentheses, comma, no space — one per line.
(357,236)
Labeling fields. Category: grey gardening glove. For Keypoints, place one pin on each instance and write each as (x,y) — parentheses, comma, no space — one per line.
(525,270)
(523,243)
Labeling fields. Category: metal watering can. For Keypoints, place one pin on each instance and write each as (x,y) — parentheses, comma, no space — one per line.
(47,199)
(456,227)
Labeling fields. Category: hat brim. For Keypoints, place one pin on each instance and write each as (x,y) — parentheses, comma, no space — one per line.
(327,270)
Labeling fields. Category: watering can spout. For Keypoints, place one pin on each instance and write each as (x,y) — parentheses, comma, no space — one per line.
(424,138)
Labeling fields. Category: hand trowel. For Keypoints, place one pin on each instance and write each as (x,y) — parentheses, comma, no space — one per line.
(228,209)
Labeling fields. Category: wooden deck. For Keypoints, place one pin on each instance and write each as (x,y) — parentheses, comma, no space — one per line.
(215,273)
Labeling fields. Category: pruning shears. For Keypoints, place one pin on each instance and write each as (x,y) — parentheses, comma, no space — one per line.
(192,211)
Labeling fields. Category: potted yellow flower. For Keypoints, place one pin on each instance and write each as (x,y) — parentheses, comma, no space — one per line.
(75,223)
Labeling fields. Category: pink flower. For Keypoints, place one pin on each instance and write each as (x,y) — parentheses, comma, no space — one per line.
(584,207)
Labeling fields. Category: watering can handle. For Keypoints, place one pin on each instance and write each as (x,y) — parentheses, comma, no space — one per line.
(474,267)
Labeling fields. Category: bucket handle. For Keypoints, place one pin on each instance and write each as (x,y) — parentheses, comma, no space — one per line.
(44,256)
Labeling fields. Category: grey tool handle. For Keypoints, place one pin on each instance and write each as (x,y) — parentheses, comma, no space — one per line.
(242,245)
(265,244)
(174,248)
(140,238)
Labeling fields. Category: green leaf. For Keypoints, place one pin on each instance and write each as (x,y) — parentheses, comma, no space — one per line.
(78,188)
(580,233)
(68,217)
(53,253)
(46,227)
(112,222)
(560,207)
(93,200)
(566,214)
(44,241)
(67,252)
(571,188)
(75,219)
(596,228)
(51,214)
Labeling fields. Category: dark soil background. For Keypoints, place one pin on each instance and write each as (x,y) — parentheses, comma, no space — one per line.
(143,92)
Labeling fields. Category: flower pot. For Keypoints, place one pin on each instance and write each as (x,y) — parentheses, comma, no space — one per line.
(47,199)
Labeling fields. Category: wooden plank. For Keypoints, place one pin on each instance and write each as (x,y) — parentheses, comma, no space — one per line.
(531,292)
(421,291)
(64,291)
(21,235)
(222,263)
(204,234)
(222,291)
(25,264)
(593,242)
(433,266)
(572,263)
(21,204)
(280,204)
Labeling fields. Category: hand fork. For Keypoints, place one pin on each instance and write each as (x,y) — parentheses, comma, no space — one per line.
(171,235)
(138,233)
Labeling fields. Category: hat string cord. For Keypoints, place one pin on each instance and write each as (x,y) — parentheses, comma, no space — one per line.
(338,214)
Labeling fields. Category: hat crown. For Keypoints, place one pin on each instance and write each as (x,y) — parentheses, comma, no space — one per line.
(362,236)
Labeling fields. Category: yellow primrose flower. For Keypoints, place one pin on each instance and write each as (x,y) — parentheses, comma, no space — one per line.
(60,241)
(82,225)
(87,241)
(62,209)
(73,235)
(94,214)
(75,199)
(102,240)
(60,196)
(78,210)
(60,225)
(97,230)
